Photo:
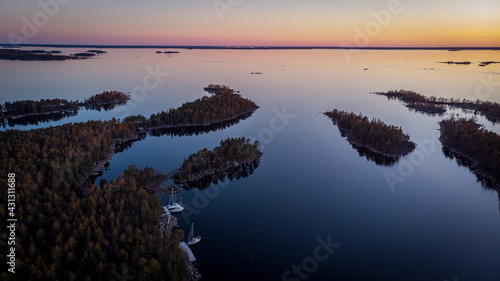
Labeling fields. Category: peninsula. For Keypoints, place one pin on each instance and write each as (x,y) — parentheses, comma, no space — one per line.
(30,108)
(223,105)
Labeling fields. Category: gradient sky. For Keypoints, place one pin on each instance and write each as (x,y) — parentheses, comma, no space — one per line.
(254,23)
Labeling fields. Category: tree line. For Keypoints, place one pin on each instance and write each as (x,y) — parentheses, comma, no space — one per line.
(223,105)
(491,110)
(372,134)
(43,106)
(473,141)
(230,153)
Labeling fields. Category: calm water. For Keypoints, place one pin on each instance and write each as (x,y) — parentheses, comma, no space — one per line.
(437,222)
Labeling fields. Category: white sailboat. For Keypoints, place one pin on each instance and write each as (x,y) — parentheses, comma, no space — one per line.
(191,239)
(173,206)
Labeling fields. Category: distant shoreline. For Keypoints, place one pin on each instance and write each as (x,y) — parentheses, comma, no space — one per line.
(246,47)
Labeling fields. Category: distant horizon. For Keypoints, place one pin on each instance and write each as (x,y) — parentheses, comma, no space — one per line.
(246,47)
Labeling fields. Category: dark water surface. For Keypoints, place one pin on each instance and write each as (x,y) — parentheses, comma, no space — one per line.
(435,221)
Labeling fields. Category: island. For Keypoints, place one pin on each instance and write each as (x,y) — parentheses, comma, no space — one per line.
(231,153)
(59,107)
(433,104)
(485,63)
(40,55)
(466,138)
(456,62)
(96,51)
(85,55)
(375,135)
(167,52)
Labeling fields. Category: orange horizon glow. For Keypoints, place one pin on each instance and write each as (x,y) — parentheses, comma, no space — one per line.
(295,24)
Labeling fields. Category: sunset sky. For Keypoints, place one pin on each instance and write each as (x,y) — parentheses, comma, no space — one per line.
(419,23)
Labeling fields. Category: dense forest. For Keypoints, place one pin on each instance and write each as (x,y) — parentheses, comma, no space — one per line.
(491,110)
(25,108)
(31,107)
(223,105)
(68,230)
(104,99)
(375,135)
(469,139)
(229,154)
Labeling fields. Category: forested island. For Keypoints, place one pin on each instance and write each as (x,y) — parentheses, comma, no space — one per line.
(16,54)
(231,153)
(485,63)
(375,135)
(433,104)
(467,138)
(58,107)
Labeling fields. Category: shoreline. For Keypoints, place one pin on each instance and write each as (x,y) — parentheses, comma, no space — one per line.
(190,125)
(404,151)
(474,166)
(80,106)
(211,172)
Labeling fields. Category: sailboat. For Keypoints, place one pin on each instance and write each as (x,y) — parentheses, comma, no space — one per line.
(191,239)
(173,206)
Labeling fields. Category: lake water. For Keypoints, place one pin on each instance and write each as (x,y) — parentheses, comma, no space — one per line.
(435,222)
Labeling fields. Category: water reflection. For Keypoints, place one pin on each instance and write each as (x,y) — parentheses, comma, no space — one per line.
(466,162)
(197,130)
(238,172)
(378,158)
(54,116)
(37,119)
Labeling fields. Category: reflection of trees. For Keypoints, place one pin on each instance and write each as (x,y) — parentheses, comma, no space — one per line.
(197,130)
(378,158)
(466,162)
(238,172)
(104,106)
(36,119)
